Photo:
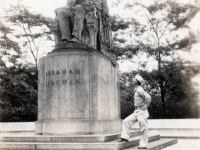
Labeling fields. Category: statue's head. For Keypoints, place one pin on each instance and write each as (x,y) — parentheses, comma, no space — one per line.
(80,2)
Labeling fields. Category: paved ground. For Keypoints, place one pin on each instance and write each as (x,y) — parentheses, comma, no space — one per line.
(185,144)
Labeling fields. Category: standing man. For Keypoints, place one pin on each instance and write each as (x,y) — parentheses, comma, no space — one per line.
(141,101)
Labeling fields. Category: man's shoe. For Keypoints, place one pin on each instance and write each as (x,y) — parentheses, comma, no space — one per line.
(122,140)
(140,147)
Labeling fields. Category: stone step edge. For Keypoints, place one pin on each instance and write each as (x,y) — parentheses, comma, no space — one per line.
(182,137)
(72,139)
(136,140)
(69,146)
(158,145)
(87,135)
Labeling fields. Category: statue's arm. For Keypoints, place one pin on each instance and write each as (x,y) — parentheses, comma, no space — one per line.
(106,18)
(70,3)
(105,8)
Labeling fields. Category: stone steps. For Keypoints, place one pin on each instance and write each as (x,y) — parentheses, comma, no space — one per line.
(80,142)
(66,139)
(134,141)
(112,145)
(157,145)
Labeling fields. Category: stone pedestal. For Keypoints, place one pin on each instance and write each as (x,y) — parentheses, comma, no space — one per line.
(78,93)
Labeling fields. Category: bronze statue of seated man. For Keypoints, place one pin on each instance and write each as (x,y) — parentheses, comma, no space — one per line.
(69,22)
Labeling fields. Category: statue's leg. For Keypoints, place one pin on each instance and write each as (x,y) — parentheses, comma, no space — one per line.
(63,19)
(56,31)
(92,26)
(78,22)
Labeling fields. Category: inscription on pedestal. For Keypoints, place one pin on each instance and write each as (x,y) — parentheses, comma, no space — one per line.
(62,72)
(62,75)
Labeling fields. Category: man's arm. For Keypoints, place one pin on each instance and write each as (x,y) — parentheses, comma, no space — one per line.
(147,98)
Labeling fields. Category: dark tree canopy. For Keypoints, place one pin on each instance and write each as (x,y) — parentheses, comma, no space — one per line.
(181,97)
(18,94)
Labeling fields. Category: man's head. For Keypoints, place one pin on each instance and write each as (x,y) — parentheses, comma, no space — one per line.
(138,80)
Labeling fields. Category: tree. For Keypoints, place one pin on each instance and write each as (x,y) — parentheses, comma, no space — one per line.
(10,45)
(182,97)
(18,78)
(9,48)
(35,29)
(172,19)
(18,94)
(18,90)
(126,94)
(158,36)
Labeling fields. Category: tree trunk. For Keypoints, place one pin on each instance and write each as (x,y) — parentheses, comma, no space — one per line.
(162,98)
(161,84)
